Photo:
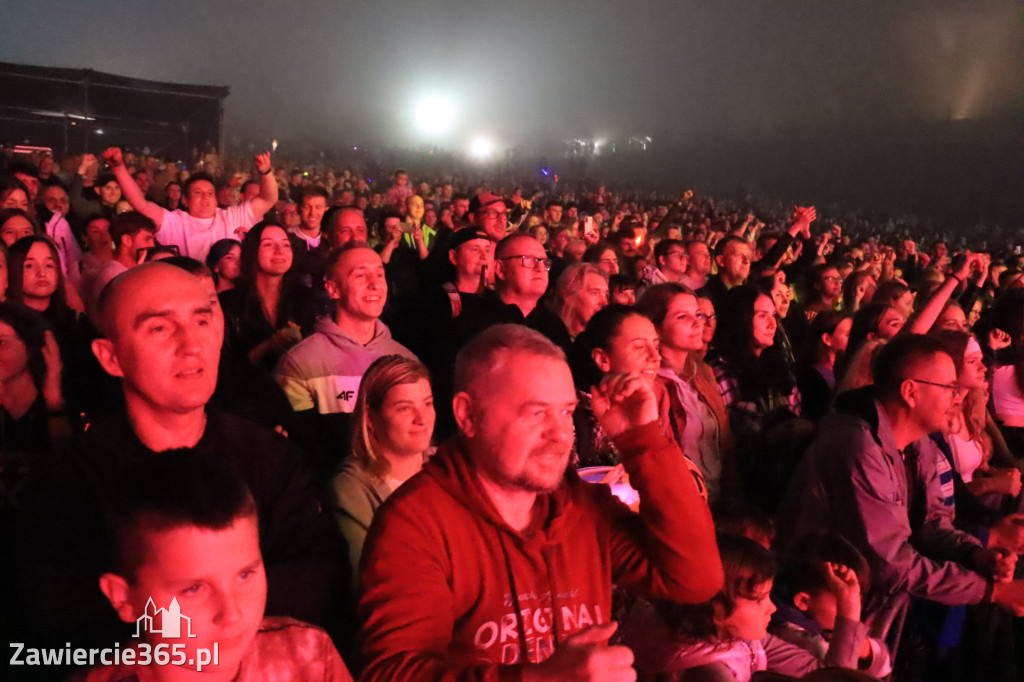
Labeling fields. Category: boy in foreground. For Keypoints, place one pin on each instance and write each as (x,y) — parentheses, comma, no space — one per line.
(185,537)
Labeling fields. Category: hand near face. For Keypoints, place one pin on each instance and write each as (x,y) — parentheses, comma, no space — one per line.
(622,402)
(998,339)
(54,369)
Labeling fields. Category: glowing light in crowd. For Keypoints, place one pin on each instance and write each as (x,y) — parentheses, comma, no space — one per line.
(434,115)
(481,148)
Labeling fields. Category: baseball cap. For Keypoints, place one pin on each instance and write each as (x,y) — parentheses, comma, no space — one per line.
(466,234)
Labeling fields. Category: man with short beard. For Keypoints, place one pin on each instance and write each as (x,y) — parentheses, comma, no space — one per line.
(514,559)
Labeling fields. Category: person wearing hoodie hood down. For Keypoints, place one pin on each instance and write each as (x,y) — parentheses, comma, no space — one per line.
(321,374)
(496,563)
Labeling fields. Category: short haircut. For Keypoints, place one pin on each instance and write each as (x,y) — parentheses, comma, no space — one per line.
(724,244)
(189,265)
(315,191)
(505,245)
(338,252)
(896,359)
(170,490)
(483,353)
(129,223)
(197,177)
(661,249)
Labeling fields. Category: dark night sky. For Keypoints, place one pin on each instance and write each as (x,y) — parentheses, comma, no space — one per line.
(347,72)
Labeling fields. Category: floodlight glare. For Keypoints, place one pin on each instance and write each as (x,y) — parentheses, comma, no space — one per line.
(481,148)
(434,115)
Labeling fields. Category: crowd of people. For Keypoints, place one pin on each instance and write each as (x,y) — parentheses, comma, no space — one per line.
(449,431)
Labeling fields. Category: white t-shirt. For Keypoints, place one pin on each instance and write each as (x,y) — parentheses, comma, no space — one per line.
(195,236)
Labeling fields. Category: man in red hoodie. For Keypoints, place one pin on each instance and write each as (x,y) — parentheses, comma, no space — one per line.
(495,563)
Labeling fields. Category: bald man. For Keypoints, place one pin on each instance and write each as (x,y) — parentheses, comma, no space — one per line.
(161,336)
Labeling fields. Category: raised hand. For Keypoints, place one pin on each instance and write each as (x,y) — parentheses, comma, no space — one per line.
(843,583)
(623,401)
(262,163)
(54,370)
(113,157)
(998,339)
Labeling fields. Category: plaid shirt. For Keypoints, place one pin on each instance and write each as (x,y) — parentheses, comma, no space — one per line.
(748,418)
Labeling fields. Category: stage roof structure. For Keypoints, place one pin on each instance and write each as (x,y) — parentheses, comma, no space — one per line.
(80,110)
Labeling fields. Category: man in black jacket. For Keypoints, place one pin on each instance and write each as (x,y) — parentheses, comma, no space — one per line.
(162,333)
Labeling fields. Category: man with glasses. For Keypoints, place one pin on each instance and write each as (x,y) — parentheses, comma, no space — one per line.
(671,261)
(871,475)
(521,271)
(492,216)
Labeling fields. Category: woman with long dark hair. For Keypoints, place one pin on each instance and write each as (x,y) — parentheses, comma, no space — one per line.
(760,394)
(698,415)
(269,311)
(36,281)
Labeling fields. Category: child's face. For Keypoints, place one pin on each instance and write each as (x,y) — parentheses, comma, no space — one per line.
(218,579)
(749,620)
(820,606)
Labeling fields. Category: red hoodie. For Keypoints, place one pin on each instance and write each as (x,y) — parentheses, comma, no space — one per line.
(452,592)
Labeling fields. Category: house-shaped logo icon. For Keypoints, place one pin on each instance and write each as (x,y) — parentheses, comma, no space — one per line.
(170,621)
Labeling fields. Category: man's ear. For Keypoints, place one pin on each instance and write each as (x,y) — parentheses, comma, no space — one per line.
(826,339)
(908,391)
(451,257)
(802,601)
(499,269)
(103,349)
(464,408)
(333,292)
(601,359)
(720,260)
(116,590)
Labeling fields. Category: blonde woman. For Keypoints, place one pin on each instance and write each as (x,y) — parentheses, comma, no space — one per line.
(582,290)
(393,422)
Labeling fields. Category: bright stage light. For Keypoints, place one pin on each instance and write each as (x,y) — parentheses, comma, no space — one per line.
(434,115)
(481,148)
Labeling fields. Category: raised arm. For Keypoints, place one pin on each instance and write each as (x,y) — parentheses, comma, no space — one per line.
(267,197)
(922,320)
(668,550)
(131,191)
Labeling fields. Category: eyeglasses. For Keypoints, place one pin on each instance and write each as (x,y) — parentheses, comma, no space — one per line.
(954,389)
(495,214)
(681,254)
(832,278)
(531,262)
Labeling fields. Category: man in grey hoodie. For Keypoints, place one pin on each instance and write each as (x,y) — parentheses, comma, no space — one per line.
(870,475)
(321,374)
